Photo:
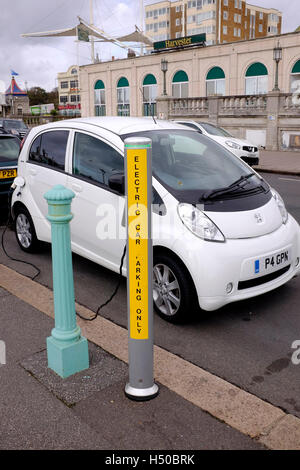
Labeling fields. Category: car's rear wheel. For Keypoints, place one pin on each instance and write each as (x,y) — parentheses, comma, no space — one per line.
(174,293)
(25,231)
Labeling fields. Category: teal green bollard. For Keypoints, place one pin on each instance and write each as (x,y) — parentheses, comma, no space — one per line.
(67,350)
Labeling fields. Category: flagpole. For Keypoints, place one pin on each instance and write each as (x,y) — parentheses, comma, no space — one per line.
(142,23)
(92,37)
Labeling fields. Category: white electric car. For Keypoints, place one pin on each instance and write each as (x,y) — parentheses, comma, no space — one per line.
(220,233)
(240,147)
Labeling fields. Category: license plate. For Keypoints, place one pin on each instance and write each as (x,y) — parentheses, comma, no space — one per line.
(272,262)
(8,173)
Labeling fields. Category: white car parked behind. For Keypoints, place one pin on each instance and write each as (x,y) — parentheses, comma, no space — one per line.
(240,147)
(221,234)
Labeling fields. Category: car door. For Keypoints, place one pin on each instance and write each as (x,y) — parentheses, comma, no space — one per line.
(98,227)
(45,167)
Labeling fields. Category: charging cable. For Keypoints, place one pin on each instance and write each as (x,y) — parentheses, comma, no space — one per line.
(113,294)
(9,218)
(38,271)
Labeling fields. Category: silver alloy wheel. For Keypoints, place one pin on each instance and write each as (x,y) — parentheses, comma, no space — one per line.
(166,290)
(23,230)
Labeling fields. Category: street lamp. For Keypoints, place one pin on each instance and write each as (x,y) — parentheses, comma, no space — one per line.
(277,56)
(164,69)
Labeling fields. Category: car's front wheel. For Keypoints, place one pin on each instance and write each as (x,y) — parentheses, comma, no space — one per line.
(174,293)
(25,231)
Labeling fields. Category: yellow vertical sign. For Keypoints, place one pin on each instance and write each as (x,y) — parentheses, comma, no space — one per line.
(137,198)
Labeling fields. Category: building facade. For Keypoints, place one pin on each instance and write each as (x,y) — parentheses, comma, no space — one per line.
(130,86)
(69,101)
(221,20)
(17,101)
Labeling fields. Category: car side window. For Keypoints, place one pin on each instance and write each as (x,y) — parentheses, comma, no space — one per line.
(50,149)
(193,126)
(95,160)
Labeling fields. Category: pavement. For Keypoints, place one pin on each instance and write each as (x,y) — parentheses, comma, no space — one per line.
(279,162)
(195,410)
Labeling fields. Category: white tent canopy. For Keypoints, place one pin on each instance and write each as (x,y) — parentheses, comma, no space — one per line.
(136,36)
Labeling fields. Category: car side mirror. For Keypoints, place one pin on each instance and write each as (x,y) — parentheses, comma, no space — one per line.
(117,182)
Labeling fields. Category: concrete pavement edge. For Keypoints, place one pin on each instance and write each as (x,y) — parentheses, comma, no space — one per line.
(241,410)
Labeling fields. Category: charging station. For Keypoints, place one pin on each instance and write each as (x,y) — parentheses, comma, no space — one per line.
(138,181)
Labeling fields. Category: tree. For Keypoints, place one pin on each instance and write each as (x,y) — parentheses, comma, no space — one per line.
(37,95)
(53,97)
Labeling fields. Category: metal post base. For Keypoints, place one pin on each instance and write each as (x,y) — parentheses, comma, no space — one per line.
(141,394)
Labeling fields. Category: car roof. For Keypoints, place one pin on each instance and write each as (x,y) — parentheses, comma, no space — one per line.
(117,124)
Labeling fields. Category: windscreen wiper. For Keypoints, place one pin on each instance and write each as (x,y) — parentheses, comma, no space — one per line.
(228,189)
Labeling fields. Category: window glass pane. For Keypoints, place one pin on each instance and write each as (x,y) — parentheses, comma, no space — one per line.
(146,93)
(250,86)
(34,154)
(102,96)
(97,96)
(210,87)
(184,90)
(120,95)
(126,95)
(183,160)
(262,84)
(9,148)
(94,159)
(295,82)
(52,149)
(220,87)
(176,90)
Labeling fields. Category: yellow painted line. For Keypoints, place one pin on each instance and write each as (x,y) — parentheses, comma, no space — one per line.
(241,410)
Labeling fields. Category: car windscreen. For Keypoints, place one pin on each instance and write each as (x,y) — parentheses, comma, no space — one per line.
(9,149)
(214,130)
(14,124)
(191,165)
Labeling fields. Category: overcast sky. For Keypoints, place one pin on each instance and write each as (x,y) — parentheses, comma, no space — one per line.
(38,60)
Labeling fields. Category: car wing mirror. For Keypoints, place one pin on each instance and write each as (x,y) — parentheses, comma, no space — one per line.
(117,182)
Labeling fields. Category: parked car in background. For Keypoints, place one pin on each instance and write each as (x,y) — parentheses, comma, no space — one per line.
(9,152)
(220,233)
(240,147)
(15,127)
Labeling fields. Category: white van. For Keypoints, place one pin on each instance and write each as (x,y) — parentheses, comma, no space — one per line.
(221,234)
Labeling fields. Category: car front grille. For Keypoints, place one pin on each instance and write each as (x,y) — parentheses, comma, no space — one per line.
(250,149)
(258,281)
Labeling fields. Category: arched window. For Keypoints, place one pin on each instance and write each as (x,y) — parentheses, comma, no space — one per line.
(123,97)
(180,85)
(295,76)
(256,81)
(149,95)
(73,71)
(100,108)
(215,82)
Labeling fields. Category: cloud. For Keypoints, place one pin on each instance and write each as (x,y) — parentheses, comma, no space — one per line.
(38,60)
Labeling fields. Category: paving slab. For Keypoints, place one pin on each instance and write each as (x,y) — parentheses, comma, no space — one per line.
(104,370)
(166,422)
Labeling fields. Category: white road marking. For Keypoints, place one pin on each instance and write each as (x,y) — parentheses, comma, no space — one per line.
(290,179)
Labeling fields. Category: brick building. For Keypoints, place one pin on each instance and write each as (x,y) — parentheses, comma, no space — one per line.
(221,20)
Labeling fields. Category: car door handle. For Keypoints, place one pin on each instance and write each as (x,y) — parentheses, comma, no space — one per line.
(77,188)
(33,171)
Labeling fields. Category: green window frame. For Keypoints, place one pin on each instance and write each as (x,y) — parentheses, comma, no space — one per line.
(99,96)
(149,95)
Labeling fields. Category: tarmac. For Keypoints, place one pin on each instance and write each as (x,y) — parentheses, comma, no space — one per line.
(195,410)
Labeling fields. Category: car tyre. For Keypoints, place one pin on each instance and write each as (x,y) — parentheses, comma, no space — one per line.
(25,231)
(174,293)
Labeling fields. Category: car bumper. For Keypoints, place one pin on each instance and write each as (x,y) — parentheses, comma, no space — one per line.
(252,158)
(213,266)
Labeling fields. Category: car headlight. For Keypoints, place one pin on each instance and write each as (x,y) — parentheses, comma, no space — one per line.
(199,224)
(233,145)
(281,206)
